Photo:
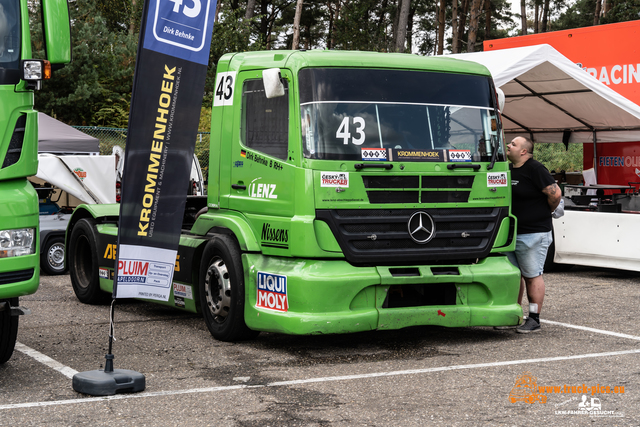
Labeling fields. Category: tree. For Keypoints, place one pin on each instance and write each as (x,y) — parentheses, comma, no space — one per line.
(99,77)
(401,38)
(441,9)
(475,11)
(296,25)
(523,16)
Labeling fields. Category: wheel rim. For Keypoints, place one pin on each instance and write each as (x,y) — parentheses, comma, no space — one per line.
(55,256)
(217,286)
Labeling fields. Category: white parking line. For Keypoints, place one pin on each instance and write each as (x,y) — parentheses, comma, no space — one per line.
(46,360)
(318,380)
(585,328)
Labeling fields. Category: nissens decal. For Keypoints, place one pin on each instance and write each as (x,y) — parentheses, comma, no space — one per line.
(272,292)
(498,179)
(334,179)
(274,237)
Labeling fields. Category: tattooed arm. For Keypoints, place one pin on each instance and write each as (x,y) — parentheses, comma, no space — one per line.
(553,194)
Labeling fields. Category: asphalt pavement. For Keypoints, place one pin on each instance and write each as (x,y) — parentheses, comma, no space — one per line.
(412,377)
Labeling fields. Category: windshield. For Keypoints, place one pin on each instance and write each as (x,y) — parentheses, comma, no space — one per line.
(9,40)
(410,112)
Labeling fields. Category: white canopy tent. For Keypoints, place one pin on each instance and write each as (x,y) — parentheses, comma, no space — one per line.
(551,99)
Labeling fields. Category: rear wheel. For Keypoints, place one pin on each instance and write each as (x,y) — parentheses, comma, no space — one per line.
(222,290)
(8,331)
(83,263)
(52,256)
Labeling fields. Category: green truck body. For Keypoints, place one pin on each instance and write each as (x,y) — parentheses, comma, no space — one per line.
(371,192)
(19,215)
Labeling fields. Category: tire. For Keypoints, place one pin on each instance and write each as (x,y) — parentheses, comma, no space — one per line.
(52,256)
(8,332)
(83,263)
(222,290)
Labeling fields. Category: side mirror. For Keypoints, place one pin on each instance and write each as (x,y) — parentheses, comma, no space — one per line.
(273,87)
(56,29)
(501,99)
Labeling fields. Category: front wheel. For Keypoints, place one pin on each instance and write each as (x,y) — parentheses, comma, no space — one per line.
(83,263)
(8,331)
(52,256)
(222,290)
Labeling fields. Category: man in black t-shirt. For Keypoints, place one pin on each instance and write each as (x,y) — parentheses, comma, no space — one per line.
(535,195)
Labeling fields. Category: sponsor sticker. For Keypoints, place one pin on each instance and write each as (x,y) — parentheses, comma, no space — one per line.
(80,173)
(182,291)
(459,155)
(418,155)
(334,179)
(262,191)
(374,153)
(145,272)
(497,179)
(103,273)
(272,292)
(274,237)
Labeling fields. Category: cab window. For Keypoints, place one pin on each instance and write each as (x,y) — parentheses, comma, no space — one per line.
(265,122)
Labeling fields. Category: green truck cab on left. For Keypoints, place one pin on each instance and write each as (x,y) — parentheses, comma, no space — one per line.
(20,76)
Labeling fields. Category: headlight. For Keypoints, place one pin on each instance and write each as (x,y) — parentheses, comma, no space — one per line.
(36,69)
(17,242)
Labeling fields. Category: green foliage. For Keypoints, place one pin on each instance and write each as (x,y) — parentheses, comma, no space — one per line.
(579,14)
(622,11)
(99,77)
(557,158)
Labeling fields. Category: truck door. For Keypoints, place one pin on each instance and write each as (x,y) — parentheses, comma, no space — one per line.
(262,176)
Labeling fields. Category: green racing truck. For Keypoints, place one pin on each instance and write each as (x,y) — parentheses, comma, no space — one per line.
(347,191)
(20,75)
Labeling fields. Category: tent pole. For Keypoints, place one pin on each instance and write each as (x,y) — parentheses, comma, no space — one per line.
(595,156)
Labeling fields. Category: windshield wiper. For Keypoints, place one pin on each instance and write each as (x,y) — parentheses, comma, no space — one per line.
(494,153)
(373,165)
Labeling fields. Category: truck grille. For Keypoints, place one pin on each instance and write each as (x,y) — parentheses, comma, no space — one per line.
(418,189)
(381,236)
(16,276)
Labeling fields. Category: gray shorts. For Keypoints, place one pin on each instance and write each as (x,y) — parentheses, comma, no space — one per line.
(531,253)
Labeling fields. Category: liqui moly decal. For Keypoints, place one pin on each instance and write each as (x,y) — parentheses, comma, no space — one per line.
(272,292)
(497,179)
(334,179)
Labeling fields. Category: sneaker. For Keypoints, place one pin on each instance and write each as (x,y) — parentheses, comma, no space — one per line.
(529,326)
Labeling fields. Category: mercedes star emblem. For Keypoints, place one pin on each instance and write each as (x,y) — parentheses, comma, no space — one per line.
(421,227)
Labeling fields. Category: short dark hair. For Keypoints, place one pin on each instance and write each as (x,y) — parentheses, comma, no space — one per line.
(528,144)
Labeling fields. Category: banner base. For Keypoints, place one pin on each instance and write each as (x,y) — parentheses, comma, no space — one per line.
(108,382)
